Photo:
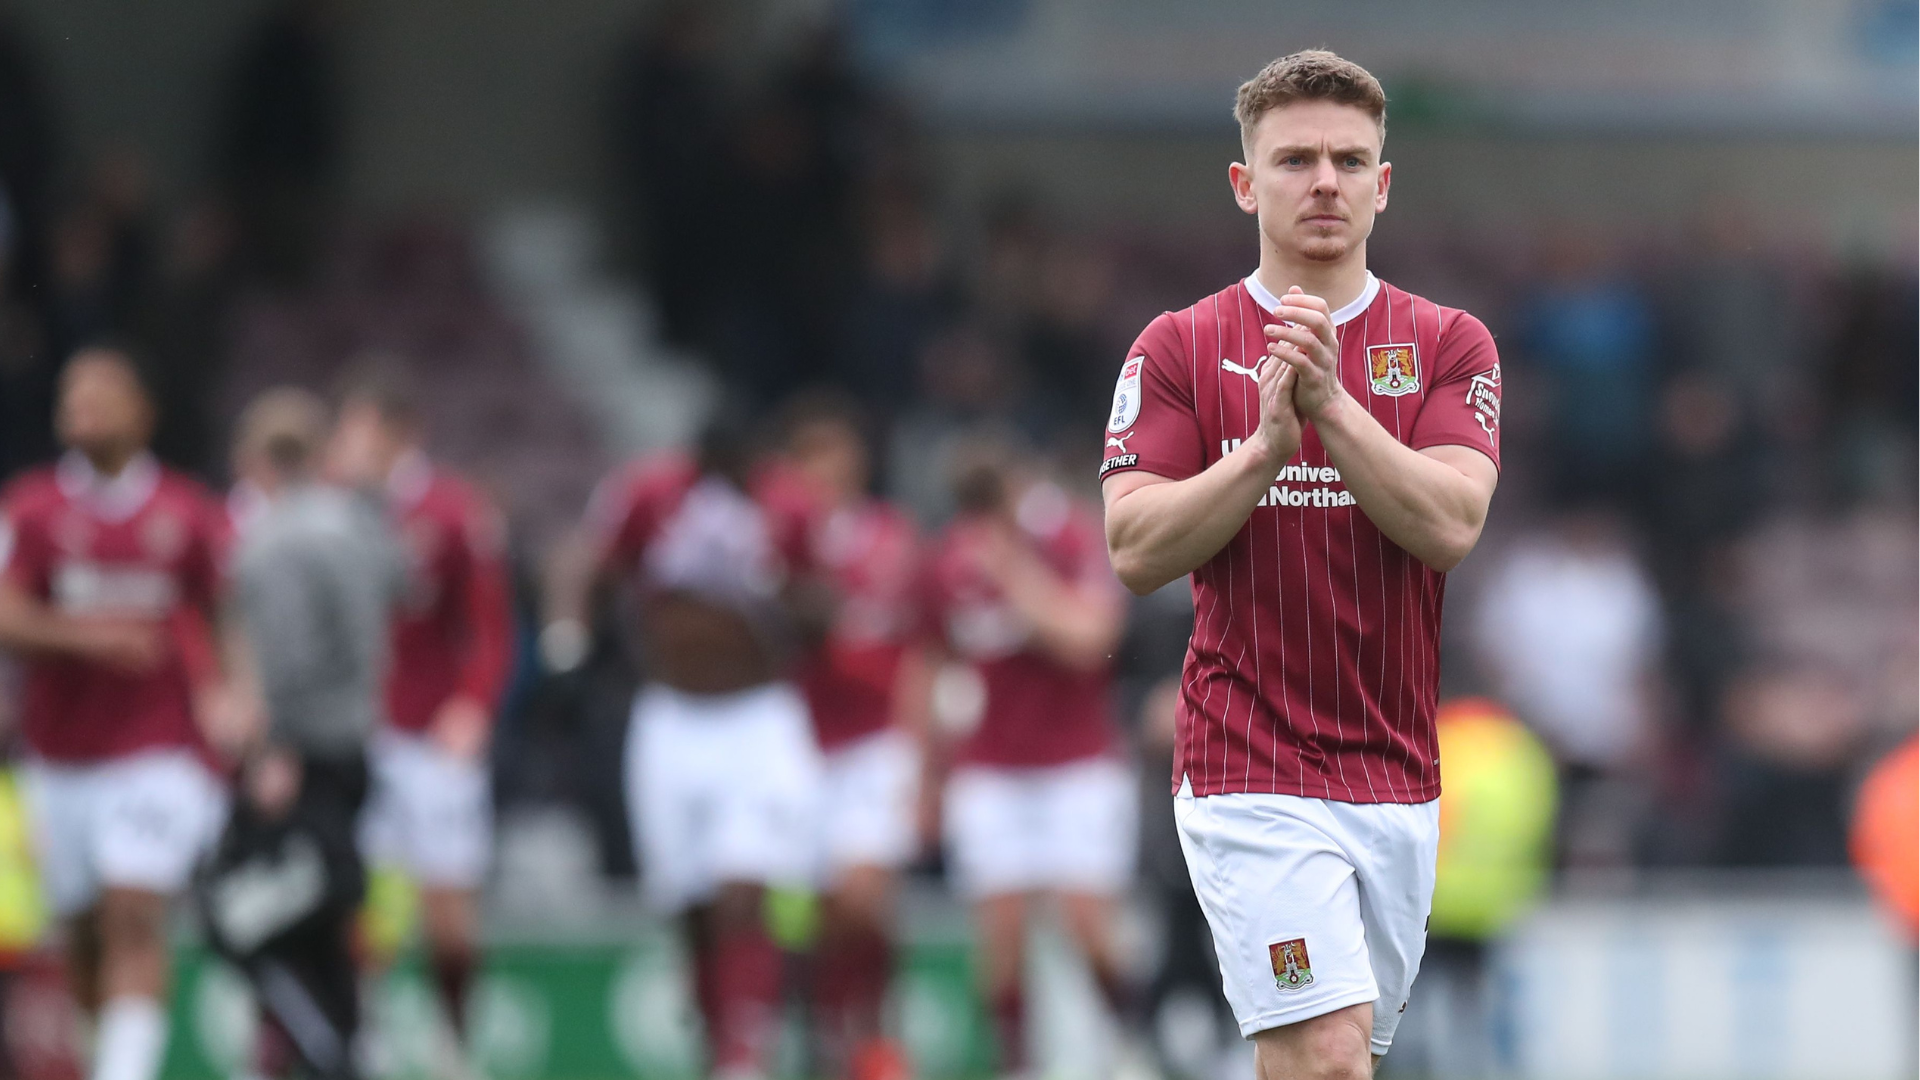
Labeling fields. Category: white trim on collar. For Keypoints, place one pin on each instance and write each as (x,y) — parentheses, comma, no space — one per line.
(1266,299)
(112,498)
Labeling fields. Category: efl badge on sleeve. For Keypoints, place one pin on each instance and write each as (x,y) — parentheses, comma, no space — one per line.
(1126,397)
(1393,370)
(1291,971)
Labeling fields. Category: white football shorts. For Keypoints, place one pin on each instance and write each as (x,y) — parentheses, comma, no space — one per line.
(1071,827)
(722,788)
(138,822)
(868,802)
(430,812)
(1314,905)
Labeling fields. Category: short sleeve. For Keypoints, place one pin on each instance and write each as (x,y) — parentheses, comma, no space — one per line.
(1463,406)
(1152,425)
(619,520)
(205,569)
(24,552)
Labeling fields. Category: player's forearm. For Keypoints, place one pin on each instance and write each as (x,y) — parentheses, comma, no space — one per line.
(572,574)
(1427,507)
(1078,631)
(29,626)
(1162,532)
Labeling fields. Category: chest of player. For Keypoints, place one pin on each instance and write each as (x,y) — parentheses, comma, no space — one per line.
(1385,374)
(869,560)
(130,567)
(430,546)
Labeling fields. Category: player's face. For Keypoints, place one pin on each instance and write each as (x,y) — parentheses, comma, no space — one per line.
(364,446)
(1314,178)
(832,458)
(103,412)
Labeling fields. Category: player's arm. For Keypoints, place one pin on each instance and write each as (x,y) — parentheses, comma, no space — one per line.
(31,626)
(1431,502)
(1077,623)
(464,721)
(579,567)
(1159,529)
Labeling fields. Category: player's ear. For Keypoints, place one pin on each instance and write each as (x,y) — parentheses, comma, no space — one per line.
(1380,191)
(1241,179)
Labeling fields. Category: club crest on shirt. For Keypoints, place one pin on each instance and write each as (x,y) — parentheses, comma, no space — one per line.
(1393,370)
(1126,396)
(1291,970)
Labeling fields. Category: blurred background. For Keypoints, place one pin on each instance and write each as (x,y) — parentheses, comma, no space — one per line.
(1691,228)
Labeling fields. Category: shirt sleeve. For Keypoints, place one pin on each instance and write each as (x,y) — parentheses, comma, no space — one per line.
(1463,406)
(1152,426)
(203,573)
(619,519)
(24,552)
(487,601)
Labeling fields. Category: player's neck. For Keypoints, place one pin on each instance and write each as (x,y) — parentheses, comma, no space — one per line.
(1338,283)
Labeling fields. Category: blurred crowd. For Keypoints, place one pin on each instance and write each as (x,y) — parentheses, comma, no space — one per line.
(1698,587)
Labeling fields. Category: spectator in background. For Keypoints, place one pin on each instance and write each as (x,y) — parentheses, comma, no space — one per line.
(281,137)
(901,301)
(668,135)
(1569,630)
(1792,730)
(28,147)
(185,323)
(1589,332)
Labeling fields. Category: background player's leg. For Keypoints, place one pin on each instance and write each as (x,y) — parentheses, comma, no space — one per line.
(451,922)
(746,966)
(1002,922)
(1089,918)
(132,1034)
(1333,1046)
(83,960)
(855,962)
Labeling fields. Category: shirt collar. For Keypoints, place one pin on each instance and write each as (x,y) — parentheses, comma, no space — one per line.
(1266,299)
(410,478)
(114,498)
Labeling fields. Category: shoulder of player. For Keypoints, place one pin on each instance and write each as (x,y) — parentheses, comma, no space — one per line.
(185,489)
(1450,324)
(35,491)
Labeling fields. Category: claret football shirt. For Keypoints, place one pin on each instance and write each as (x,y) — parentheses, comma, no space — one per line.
(1313,668)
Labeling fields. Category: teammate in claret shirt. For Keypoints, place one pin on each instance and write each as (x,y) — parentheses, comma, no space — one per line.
(722,772)
(865,685)
(1316,448)
(1039,801)
(431,812)
(109,575)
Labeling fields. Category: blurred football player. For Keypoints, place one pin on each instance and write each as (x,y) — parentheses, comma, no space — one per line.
(109,570)
(1039,802)
(866,689)
(722,772)
(431,810)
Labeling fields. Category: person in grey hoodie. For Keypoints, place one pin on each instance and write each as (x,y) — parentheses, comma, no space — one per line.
(316,572)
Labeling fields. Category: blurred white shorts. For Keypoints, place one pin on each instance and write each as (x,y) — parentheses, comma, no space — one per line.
(1314,905)
(1072,827)
(867,807)
(138,822)
(722,788)
(430,812)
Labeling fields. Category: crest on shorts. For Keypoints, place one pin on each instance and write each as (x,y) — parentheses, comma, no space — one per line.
(1126,397)
(1393,370)
(1291,969)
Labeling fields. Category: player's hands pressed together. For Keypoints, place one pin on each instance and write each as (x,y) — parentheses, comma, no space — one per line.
(1307,345)
(1279,414)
